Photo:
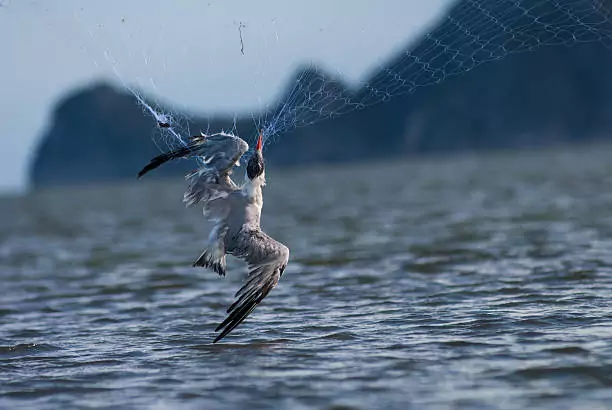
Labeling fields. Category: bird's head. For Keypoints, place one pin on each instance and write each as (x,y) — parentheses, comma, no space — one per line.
(256,166)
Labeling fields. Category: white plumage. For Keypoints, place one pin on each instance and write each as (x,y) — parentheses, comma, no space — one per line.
(235,212)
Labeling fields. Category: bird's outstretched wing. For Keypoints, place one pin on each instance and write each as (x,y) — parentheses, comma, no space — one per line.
(267,260)
(219,153)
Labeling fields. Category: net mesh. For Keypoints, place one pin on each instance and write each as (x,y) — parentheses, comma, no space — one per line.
(474,32)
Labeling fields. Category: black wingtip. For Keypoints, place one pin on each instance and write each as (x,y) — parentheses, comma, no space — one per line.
(155,162)
(151,165)
(206,261)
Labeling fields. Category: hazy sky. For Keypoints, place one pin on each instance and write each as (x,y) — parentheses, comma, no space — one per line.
(186,52)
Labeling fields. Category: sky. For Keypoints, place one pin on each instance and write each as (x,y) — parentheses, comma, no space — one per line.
(184,52)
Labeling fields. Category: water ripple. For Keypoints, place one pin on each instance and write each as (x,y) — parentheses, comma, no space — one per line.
(481,283)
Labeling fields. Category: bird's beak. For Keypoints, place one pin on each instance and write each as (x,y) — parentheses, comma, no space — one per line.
(259,145)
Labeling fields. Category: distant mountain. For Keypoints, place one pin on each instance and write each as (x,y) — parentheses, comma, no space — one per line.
(100,133)
(527,93)
(549,95)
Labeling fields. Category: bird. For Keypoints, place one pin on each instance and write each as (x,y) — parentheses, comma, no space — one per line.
(235,212)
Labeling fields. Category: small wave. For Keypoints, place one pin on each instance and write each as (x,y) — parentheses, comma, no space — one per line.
(599,374)
(465,343)
(569,350)
(6,312)
(250,345)
(339,336)
(26,349)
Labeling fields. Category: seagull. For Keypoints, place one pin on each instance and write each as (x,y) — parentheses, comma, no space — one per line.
(235,212)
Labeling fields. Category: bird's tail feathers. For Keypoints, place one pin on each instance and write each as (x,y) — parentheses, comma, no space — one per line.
(212,258)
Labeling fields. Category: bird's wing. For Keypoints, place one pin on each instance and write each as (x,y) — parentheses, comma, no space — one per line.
(208,185)
(267,260)
(219,153)
(219,211)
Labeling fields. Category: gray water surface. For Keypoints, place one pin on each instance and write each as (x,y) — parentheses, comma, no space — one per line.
(477,282)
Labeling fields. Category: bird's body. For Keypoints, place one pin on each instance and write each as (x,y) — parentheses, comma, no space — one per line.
(235,212)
